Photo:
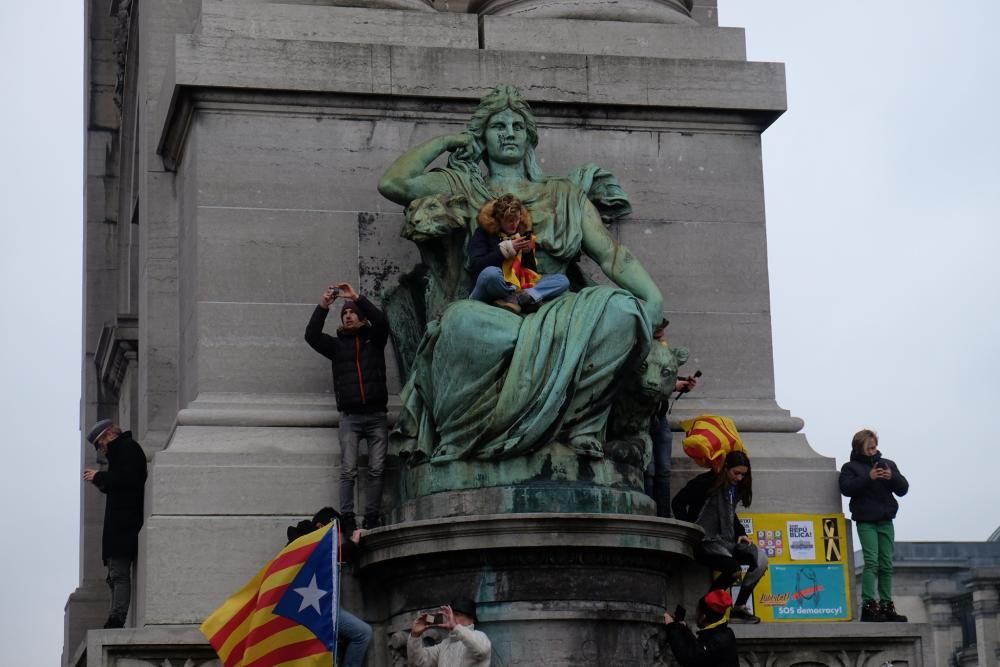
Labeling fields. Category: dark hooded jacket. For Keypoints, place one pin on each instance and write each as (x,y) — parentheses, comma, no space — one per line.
(123,483)
(871,499)
(484,246)
(715,647)
(357,358)
(689,502)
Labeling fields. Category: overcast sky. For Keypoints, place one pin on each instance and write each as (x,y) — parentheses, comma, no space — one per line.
(882,197)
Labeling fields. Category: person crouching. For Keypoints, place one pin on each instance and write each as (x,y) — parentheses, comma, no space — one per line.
(715,643)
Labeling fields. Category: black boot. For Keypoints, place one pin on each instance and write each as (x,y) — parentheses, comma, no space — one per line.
(115,621)
(371,521)
(888,611)
(870,612)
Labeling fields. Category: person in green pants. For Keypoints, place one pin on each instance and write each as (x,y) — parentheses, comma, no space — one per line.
(871,482)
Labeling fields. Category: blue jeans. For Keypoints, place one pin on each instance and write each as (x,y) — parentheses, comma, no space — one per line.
(490,286)
(356,634)
(658,472)
(373,428)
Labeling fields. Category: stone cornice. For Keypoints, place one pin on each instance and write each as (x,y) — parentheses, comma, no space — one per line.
(517,531)
(247,69)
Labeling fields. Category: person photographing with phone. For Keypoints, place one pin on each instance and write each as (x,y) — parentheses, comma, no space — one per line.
(357,356)
(715,643)
(871,482)
(463,647)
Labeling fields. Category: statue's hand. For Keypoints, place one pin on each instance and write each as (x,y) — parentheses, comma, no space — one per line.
(454,142)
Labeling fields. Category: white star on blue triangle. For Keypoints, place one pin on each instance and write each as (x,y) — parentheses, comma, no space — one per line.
(313,597)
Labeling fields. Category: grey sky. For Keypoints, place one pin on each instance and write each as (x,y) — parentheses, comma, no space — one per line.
(882,199)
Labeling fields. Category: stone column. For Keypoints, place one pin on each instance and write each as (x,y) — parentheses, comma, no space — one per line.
(984,585)
(937,601)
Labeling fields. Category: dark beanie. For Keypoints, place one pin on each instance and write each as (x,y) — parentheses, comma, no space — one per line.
(350,304)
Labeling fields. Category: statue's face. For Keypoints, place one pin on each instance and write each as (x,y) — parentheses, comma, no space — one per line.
(506,137)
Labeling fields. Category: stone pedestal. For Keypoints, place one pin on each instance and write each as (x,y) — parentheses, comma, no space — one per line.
(551,588)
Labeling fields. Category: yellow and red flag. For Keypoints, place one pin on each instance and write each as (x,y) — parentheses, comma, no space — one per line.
(709,439)
(286,614)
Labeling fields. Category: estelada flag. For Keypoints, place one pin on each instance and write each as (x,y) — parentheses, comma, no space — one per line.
(286,614)
(709,439)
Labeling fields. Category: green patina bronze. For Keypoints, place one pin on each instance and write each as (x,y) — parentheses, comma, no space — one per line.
(486,385)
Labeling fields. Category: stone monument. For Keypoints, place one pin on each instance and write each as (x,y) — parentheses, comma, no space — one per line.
(235,153)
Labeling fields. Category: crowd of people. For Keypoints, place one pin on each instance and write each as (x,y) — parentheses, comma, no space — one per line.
(501,255)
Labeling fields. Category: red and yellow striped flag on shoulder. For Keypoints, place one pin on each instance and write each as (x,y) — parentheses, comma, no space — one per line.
(286,614)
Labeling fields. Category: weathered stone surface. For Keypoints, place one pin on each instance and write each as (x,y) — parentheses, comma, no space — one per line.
(651,40)
(642,11)
(353,24)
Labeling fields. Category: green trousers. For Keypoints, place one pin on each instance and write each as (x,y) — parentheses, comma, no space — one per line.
(877,541)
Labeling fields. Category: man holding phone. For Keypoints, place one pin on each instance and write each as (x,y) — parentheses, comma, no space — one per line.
(357,356)
(463,647)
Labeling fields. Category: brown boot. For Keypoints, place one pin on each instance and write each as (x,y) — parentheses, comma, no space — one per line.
(888,611)
(509,303)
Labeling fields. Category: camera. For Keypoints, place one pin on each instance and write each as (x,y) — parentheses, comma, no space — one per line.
(433,616)
(334,291)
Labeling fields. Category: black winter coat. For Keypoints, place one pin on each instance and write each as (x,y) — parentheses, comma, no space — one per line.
(715,647)
(871,499)
(689,501)
(484,250)
(123,483)
(357,359)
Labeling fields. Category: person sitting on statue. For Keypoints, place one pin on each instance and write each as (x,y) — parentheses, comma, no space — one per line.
(710,500)
(463,647)
(502,257)
(357,356)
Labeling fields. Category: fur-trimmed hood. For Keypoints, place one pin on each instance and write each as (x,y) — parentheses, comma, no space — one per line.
(492,227)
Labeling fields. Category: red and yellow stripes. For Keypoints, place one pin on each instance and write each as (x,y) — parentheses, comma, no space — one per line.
(245,632)
(709,439)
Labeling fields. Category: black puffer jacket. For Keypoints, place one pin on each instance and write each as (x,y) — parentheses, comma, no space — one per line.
(690,500)
(715,647)
(358,359)
(871,499)
(123,484)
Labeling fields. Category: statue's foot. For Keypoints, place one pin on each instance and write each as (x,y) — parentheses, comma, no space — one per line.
(587,445)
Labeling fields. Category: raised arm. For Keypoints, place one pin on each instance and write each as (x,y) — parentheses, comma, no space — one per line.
(619,264)
(406,180)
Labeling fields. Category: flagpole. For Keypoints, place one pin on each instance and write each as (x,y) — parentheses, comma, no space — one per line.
(335,607)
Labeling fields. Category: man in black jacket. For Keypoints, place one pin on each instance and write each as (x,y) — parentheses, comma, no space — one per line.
(123,483)
(357,355)
(715,643)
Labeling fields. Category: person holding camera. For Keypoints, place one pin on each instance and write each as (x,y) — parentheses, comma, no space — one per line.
(463,647)
(870,481)
(502,257)
(715,643)
(357,356)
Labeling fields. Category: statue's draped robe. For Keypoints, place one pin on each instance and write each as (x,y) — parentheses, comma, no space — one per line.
(489,384)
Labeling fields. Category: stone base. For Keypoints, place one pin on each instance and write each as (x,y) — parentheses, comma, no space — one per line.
(554,479)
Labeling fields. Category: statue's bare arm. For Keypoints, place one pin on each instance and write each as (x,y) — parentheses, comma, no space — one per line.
(619,264)
(406,180)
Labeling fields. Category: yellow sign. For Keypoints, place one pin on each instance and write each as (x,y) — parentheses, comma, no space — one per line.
(807,577)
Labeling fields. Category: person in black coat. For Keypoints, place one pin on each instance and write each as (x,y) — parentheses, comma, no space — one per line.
(123,483)
(715,643)
(870,481)
(357,356)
